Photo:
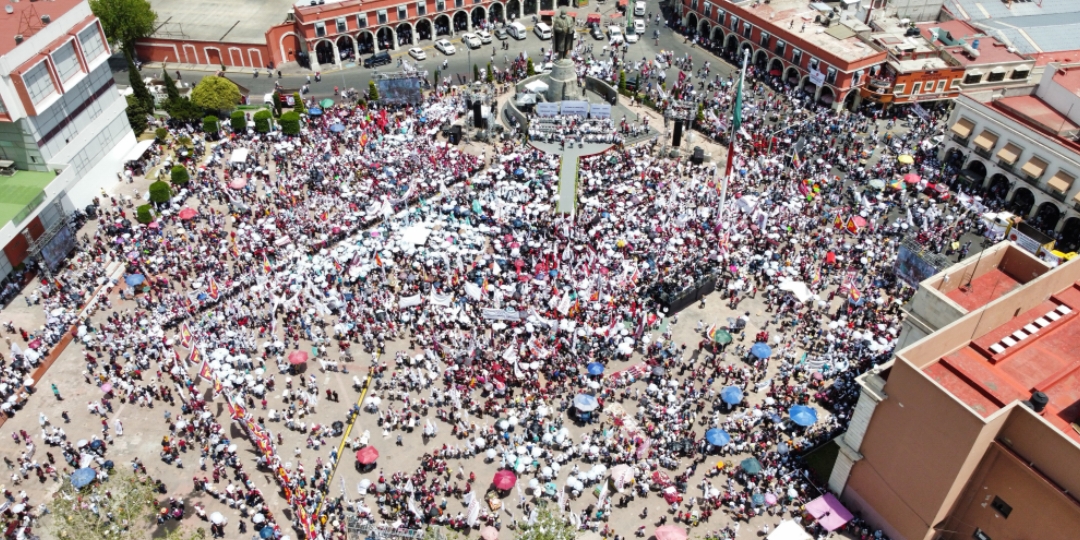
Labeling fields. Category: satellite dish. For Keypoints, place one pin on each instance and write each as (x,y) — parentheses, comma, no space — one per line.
(9,9)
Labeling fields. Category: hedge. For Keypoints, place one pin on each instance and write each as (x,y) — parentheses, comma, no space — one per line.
(160,192)
(290,123)
(210,124)
(238,121)
(180,175)
(143,214)
(161,134)
(263,121)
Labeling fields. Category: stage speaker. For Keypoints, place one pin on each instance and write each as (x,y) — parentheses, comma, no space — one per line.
(454,135)
(478,115)
(676,136)
(698,157)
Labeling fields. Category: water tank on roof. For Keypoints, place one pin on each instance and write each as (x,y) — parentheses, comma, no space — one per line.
(975,44)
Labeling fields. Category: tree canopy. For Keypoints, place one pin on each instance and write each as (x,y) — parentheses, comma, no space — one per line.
(216,94)
(549,525)
(125,21)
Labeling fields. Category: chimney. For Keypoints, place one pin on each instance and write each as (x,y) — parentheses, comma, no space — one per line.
(1037,403)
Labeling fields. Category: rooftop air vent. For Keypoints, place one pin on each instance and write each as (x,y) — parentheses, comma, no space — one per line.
(1037,402)
(45,19)
(18,39)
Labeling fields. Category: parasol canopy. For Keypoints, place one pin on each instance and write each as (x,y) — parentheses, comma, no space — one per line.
(188,213)
(504,480)
(803,415)
(326,103)
(595,368)
(761,350)
(905,159)
(731,395)
(721,337)
(717,437)
(670,532)
(489,533)
(367,455)
(134,279)
(911,178)
(751,465)
(83,477)
(238,183)
(298,357)
(586,403)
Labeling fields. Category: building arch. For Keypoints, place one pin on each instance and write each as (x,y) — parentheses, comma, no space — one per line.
(999,186)
(404,34)
(808,87)
(776,67)
(346,46)
(365,42)
(385,39)
(424,30)
(496,13)
(1046,217)
(792,75)
(1022,201)
(703,27)
(324,52)
(851,100)
(478,17)
(732,44)
(828,95)
(442,25)
(288,48)
(761,58)
(513,9)
(1069,241)
(461,21)
(718,34)
(691,20)
(529,7)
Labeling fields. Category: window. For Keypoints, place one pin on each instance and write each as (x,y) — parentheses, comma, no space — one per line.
(693,5)
(941,85)
(973,78)
(342,26)
(1019,73)
(440,5)
(320,29)
(734,23)
(720,16)
(381,16)
(361,20)
(1001,507)
(915,88)
(929,87)
(91,42)
(765,40)
(856,77)
(708,9)
(995,76)
(813,64)
(796,57)
(66,61)
(459,3)
(780,46)
(38,83)
(402,13)
(830,75)
(746,29)
(898,90)
(421,8)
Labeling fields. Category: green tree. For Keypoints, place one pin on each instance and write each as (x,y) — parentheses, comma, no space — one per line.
(161,134)
(138,87)
(701,112)
(170,86)
(549,525)
(238,120)
(179,175)
(276,101)
(530,70)
(290,123)
(263,121)
(298,103)
(160,192)
(211,125)
(490,74)
(136,115)
(372,91)
(438,77)
(184,110)
(125,21)
(475,72)
(622,81)
(144,214)
(216,94)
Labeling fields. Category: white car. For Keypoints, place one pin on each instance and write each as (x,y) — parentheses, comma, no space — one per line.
(631,38)
(485,37)
(417,53)
(614,32)
(639,26)
(470,41)
(445,47)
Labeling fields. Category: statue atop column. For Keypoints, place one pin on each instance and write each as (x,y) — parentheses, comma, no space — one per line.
(562,35)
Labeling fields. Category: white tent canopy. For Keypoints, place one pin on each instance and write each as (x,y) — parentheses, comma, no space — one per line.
(239,155)
(789,530)
(140,148)
(537,86)
(797,288)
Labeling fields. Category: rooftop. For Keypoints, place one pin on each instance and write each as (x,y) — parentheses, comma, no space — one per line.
(25,20)
(1031,27)
(19,190)
(1034,351)
(1069,79)
(984,289)
(229,21)
(953,35)
(1038,113)
(840,40)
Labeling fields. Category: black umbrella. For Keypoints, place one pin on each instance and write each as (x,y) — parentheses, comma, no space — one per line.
(659,371)
(337,424)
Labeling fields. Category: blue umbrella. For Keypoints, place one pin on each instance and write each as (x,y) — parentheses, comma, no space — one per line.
(758,499)
(586,403)
(803,415)
(519,172)
(82,477)
(134,279)
(266,532)
(595,368)
(314,111)
(717,437)
(731,395)
(761,350)
(337,127)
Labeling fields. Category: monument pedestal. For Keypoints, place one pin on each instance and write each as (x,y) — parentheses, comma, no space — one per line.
(562,82)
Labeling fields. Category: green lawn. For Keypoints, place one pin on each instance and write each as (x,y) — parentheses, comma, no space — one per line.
(16,191)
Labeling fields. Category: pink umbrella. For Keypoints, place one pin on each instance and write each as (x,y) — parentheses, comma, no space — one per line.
(489,533)
(298,357)
(505,480)
(670,532)
(770,499)
(912,178)
(107,387)
(188,213)
(367,455)
(154,225)
(238,183)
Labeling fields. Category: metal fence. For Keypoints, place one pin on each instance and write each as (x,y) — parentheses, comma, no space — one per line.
(358,529)
(29,208)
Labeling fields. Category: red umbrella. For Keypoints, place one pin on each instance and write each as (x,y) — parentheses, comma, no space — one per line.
(298,357)
(670,532)
(367,455)
(504,480)
(188,213)
(239,183)
(830,258)
(912,178)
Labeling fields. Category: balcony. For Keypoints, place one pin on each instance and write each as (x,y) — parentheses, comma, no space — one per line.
(1056,194)
(1006,166)
(1033,180)
(962,141)
(984,153)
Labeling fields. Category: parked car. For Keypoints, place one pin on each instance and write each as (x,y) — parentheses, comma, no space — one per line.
(377,59)
(631,37)
(596,32)
(485,37)
(639,26)
(417,53)
(470,41)
(500,33)
(445,47)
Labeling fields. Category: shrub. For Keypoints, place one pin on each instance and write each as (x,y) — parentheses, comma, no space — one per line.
(372,91)
(529,69)
(144,214)
(298,103)
(180,175)
(290,123)
(238,120)
(161,134)
(160,192)
(263,121)
(210,124)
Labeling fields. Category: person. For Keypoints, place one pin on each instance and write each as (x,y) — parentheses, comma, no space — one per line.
(56,392)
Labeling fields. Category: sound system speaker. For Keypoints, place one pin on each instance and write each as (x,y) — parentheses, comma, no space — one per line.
(478,115)
(698,157)
(454,135)
(676,137)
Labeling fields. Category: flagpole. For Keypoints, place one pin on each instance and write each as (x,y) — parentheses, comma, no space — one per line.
(735,114)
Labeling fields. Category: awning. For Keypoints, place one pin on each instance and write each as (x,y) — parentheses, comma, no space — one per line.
(963,127)
(828,512)
(1076,198)
(986,140)
(789,530)
(140,148)
(571,14)
(1061,182)
(547,13)
(239,155)
(999,70)
(1009,153)
(537,86)
(1034,167)
(622,3)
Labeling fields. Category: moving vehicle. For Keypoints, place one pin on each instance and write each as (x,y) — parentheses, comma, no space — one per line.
(417,53)
(377,59)
(444,46)
(639,26)
(500,33)
(614,32)
(597,33)
(516,30)
(639,9)
(631,37)
(542,31)
(485,37)
(470,41)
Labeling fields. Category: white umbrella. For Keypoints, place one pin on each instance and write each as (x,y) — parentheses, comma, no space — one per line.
(217,519)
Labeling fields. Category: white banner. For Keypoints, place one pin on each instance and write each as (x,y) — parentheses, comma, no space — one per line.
(547,109)
(508,314)
(441,299)
(576,108)
(600,110)
(409,301)
(817,77)
(473,290)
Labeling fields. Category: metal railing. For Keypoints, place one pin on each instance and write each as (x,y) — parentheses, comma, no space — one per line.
(29,208)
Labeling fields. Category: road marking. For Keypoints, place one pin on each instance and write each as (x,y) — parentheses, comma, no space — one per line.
(344,439)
